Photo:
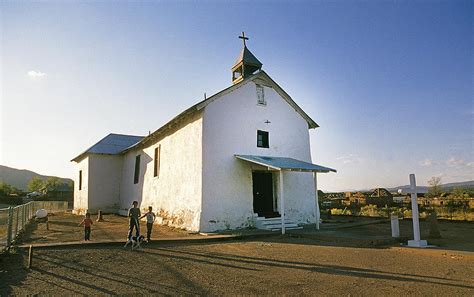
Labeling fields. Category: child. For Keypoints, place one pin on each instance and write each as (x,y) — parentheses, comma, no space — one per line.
(134,215)
(150,218)
(87,222)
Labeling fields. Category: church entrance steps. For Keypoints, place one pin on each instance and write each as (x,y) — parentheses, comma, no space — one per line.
(274,224)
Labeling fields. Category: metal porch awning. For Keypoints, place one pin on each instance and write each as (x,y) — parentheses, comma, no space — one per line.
(284,164)
(288,164)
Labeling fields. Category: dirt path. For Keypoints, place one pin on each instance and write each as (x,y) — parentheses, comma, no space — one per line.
(288,266)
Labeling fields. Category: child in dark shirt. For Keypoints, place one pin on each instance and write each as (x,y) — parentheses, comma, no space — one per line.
(134,216)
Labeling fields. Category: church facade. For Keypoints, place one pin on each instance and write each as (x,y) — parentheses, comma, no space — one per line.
(228,162)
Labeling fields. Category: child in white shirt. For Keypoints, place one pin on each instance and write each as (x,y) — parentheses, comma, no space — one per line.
(150,218)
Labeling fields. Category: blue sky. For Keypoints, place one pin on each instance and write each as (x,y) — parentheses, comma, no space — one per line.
(389,82)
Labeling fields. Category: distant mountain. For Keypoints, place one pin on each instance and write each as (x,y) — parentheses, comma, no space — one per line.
(19,178)
(420,189)
(424,189)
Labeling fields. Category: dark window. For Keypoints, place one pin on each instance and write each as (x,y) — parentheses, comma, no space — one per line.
(137,169)
(156,171)
(80,180)
(262,138)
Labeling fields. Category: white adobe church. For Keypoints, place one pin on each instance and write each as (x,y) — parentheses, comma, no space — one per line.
(240,158)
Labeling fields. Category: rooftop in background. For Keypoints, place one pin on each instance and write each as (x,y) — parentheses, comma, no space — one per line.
(111,144)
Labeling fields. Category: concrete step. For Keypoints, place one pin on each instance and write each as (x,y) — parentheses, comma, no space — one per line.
(267,219)
(290,228)
(264,223)
(274,224)
(287,225)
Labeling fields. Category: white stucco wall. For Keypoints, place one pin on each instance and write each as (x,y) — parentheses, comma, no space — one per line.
(230,126)
(105,173)
(176,193)
(81,196)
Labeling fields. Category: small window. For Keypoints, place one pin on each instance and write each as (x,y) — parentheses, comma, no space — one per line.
(261,95)
(137,170)
(156,170)
(80,180)
(237,73)
(262,138)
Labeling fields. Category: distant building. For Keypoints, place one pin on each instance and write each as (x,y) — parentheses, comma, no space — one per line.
(380,197)
(398,199)
(63,192)
(354,199)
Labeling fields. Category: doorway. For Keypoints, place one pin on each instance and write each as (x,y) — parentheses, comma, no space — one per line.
(263,194)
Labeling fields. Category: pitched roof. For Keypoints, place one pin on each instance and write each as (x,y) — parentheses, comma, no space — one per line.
(111,144)
(248,58)
(202,104)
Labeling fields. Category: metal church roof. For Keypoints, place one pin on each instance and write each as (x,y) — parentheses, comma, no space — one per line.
(112,144)
(283,163)
(248,58)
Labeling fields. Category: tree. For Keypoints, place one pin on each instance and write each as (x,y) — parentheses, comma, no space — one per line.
(35,184)
(457,193)
(451,205)
(434,189)
(5,189)
(51,184)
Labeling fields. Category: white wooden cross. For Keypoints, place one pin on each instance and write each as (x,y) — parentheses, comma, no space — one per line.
(416,242)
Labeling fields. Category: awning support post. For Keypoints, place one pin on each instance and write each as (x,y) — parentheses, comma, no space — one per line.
(318,214)
(282,202)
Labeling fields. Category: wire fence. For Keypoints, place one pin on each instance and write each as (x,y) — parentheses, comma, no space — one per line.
(13,220)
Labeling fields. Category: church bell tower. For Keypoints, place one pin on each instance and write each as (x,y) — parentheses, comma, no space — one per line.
(246,64)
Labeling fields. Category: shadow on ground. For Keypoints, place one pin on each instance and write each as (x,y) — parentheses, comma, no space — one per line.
(12,272)
(338,258)
(279,264)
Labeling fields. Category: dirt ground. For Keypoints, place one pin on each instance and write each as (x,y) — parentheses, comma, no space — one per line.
(277,265)
(340,260)
(64,227)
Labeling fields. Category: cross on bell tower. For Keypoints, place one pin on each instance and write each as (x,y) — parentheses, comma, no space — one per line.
(243,37)
(246,64)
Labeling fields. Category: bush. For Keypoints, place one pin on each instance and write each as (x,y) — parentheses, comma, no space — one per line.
(338,211)
(407,213)
(369,211)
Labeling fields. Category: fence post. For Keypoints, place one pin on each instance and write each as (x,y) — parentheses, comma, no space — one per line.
(24,217)
(17,212)
(9,227)
(30,257)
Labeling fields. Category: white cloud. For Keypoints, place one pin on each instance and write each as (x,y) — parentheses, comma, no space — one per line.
(452,162)
(36,74)
(348,159)
(427,163)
